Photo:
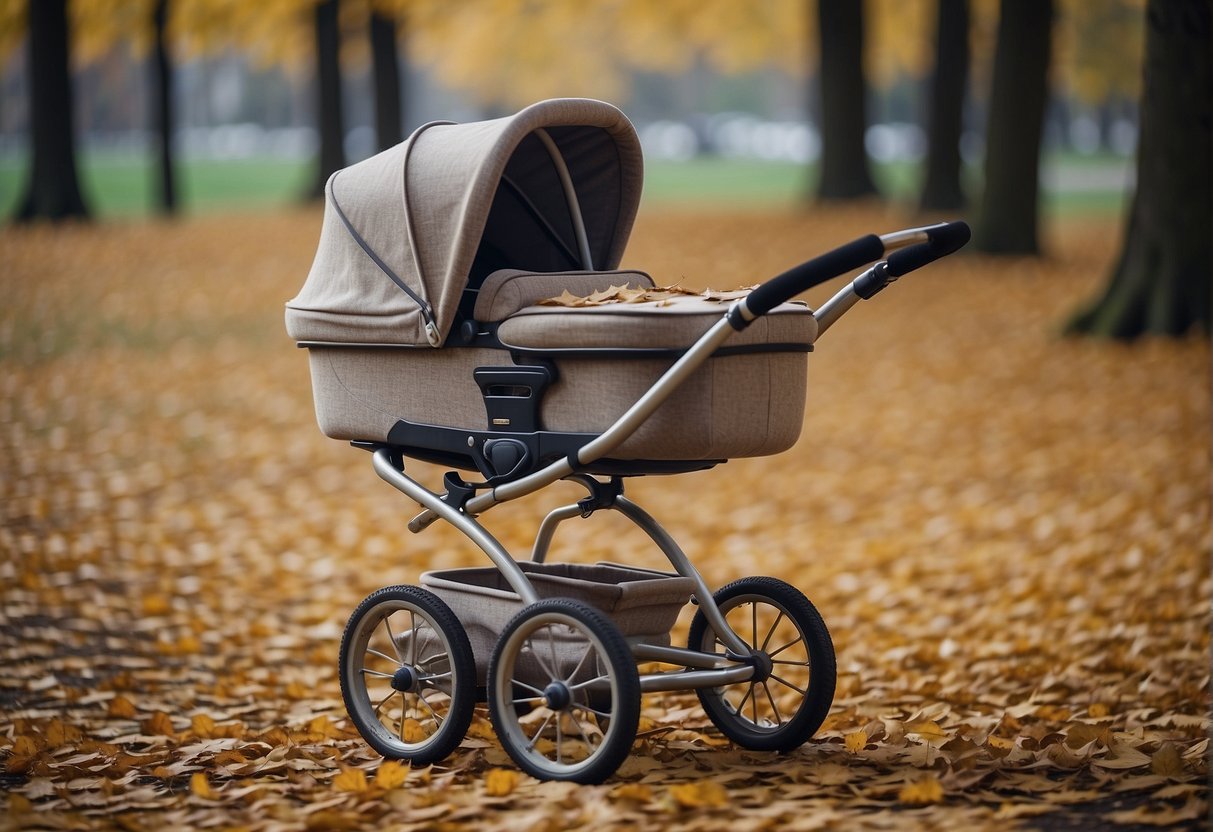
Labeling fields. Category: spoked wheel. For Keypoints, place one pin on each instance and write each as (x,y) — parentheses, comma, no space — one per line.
(408,677)
(787,699)
(564,693)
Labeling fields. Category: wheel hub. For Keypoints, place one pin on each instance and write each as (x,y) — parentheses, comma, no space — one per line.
(763,666)
(557,696)
(404,679)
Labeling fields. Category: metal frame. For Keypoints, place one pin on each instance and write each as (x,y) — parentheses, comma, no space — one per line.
(706,669)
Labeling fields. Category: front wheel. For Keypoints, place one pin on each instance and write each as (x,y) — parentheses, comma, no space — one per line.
(408,676)
(564,694)
(789,696)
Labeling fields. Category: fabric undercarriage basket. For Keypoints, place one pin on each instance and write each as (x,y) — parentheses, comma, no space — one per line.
(643,604)
(424,311)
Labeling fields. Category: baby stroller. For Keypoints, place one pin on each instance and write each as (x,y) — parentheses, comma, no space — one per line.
(429,339)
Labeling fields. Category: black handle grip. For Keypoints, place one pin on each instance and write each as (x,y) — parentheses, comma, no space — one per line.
(800,278)
(941,242)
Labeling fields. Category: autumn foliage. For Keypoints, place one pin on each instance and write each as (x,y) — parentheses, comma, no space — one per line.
(1007,532)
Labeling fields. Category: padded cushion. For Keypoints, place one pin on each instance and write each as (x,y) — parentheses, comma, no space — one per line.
(669,324)
(506,291)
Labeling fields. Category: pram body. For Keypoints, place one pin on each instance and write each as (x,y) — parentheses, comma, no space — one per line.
(430,338)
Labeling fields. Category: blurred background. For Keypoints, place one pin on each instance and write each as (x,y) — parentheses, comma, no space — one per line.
(215,105)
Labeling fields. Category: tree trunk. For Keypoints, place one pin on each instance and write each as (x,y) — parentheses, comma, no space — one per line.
(162,110)
(328,87)
(385,61)
(844,160)
(1161,283)
(53,190)
(941,190)
(1007,221)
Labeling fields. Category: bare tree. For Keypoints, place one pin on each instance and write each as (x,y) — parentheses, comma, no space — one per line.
(844,159)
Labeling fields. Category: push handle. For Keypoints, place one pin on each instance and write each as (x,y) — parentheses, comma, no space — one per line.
(801,278)
(941,241)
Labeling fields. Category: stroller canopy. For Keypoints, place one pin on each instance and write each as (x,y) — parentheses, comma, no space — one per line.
(553,188)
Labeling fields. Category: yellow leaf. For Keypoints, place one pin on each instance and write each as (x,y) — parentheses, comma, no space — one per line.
(1098,710)
(499,782)
(60,733)
(1166,761)
(921,792)
(296,690)
(413,732)
(699,794)
(19,804)
(856,740)
(200,786)
(636,792)
(121,708)
(391,774)
(156,605)
(350,780)
(928,730)
(203,726)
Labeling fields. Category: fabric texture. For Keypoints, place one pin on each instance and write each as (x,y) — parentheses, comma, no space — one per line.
(456,201)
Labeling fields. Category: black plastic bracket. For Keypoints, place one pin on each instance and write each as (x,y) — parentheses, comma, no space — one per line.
(602,494)
(458,492)
(512,395)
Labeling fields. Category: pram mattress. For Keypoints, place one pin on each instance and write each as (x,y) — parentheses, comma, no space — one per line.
(747,400)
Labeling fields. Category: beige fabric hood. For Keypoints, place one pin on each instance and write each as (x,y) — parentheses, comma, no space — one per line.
(407,230)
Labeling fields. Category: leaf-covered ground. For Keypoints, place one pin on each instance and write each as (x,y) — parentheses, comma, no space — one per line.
(1007,532)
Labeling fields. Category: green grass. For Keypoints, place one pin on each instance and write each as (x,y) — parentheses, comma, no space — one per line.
(120,185)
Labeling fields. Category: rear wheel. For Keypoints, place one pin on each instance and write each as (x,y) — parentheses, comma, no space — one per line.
(564,693)
(408,677)
(788,698)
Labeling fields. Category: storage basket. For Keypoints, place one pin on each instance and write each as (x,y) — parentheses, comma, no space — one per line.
(643,604)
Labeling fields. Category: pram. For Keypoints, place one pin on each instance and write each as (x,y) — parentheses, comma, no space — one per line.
(431,337)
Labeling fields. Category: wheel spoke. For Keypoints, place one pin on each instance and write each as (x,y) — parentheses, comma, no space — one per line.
(535,738)
(785,661)
(434,676)
(771,631)
(774,653)
(741,705)
(788,684)
(753,703)
(588,709)
(526,699)
(754,623)
(375,652)
(383,701)
(577,669)
(404,709)
(531,688)
(584,736)
(433,713)
(774,707)
(377,673)
(543,665)
(559,739)
(555,664)
(413,637)
(391,637)
(588,682)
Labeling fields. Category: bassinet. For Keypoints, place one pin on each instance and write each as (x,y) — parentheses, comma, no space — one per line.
(421,319)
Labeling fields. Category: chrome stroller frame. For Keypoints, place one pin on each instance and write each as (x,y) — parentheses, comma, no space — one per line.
(611,698)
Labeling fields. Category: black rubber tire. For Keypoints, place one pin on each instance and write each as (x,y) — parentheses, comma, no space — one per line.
(462,666)
(624,699)
(819,693)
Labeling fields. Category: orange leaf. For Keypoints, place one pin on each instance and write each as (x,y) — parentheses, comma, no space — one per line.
(121,708)
(158,724)
(391,774)
(350,780)
(636,792)
(200,786)
(499,782)
(856,740)
(203,726)
(921,792)
(701,793)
